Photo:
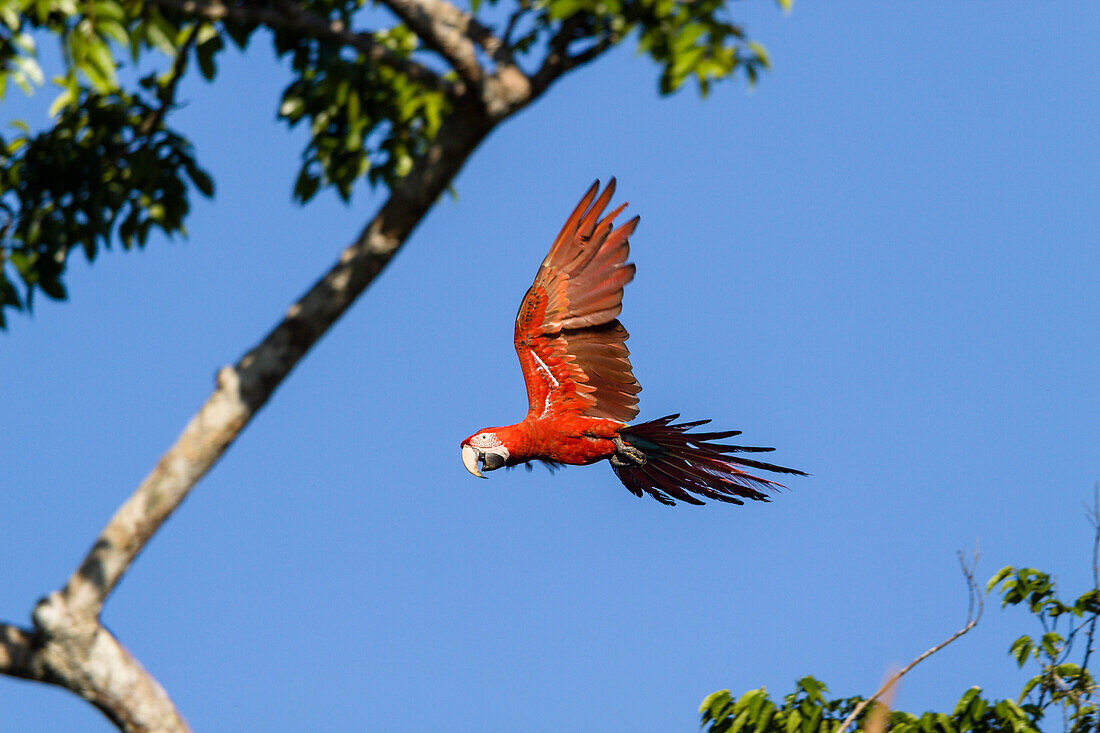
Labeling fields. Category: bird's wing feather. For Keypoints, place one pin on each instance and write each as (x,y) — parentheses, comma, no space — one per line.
(570,344)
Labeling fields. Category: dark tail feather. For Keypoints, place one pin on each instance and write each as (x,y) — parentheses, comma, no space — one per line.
(680,464)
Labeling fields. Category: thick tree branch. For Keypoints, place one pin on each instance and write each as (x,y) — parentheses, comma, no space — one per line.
(301,21)
(80,655)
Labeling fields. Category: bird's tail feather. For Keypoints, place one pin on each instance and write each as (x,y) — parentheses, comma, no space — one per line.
(680,464)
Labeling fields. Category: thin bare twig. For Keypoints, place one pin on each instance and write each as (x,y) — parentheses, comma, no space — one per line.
(513,20)
(590,53)
(1094,520)
(974,598)
(166,93)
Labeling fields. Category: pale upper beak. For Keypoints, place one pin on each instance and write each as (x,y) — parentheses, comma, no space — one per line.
(490,458)
(470,457)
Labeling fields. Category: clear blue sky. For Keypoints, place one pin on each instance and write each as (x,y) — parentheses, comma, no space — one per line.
(884,261)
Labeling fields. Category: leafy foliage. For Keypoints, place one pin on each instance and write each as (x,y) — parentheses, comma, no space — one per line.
(1061,683)
(688,40)
(108,167)
(806,710)
(92,176)
(365,119)
(1062,695)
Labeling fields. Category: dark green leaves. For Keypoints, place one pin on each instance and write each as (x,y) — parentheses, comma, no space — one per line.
(95,175)
(108,169)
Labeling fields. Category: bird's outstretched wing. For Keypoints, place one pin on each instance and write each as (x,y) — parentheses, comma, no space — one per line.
(571,346)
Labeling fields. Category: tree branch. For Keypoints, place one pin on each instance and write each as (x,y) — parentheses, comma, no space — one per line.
(450,32)
(301,21)
(523,7)
(559,61)
(15,650)
(80,655)
(166,92)
(1094,520)
(974,598)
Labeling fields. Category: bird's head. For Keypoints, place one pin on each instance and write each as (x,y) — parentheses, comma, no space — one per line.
(485,448)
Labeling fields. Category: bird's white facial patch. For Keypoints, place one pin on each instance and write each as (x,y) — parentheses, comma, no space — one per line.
(485,440)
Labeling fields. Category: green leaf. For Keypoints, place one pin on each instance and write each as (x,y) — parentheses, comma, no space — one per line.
(966,701)
(201,180)
(1052,644)
(60,102)
(100,57)
(28,69)
(1088,602)
(9,16)
(714,703)
(306,186)
(998,577)
(761,54)
(1021,649)
(114,30)
(158,34)
(52,287)
(204,54)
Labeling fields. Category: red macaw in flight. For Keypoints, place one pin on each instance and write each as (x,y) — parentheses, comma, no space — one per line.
(580,389)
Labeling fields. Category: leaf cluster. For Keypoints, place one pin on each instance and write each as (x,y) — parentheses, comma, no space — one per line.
(1062,694)
(365,119)
(806,710)
(688,39)
(94,175)
(109,167)
(1062,652)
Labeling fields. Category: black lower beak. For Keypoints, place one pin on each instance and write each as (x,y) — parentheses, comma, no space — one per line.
(491,461)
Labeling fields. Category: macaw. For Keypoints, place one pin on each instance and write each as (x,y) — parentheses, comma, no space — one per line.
(581,391)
